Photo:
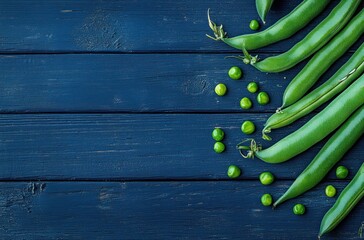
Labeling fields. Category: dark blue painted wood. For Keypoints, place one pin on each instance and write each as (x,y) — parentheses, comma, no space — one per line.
(133,83)
(163,210)
(134,147)
(153,116)
(130,26)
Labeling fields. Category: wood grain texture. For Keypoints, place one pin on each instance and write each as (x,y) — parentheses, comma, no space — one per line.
(163,210)
(134,83)
(106,113)
(138,147)
(131,26)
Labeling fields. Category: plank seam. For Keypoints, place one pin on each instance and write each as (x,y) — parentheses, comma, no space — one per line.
(156,180)
(133,112)
(135,52)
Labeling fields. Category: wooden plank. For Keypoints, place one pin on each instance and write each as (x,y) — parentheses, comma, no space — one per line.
(138,147)
(163,210)
(133,83)
(131,26)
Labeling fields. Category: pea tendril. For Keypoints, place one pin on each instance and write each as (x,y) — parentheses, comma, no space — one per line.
(254,147)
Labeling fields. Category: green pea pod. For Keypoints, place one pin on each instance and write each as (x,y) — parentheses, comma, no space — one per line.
(349,197)
(316,39)
(323,59)
(334,149)
(348,73)
(321,125)
(282,29)
(263,7)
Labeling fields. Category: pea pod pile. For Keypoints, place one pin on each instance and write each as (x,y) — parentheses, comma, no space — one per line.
(323,59)
(347,200)
(321,125)
(282,29)
(334,149)
(343,117)
(317,38)
(347,74)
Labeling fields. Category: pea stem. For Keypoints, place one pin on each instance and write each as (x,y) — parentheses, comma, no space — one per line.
(217,30)
(254,147)
(249,59)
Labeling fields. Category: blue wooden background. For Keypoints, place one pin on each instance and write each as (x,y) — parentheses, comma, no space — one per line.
(106,113)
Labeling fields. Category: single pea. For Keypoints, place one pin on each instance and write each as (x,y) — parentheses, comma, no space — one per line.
(245,103)
(219,147)
(252,87)
(342,172)
(330,191)
(218,134)
(220,89)
(233,171)
(254,25)
(235,73)
(266,178)
(299,209)
(266,199)
(248,127)
(263,98)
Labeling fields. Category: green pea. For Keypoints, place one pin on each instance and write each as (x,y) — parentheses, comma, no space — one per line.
(235,73)
(218,134)
(263,98)
(254,25)
(330,191)
(252,87)
(341,172)
(219,147)
(266,178)
(220,89)
(233,171)
(299,209)
(266,199)
(246,103)
(248,127)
